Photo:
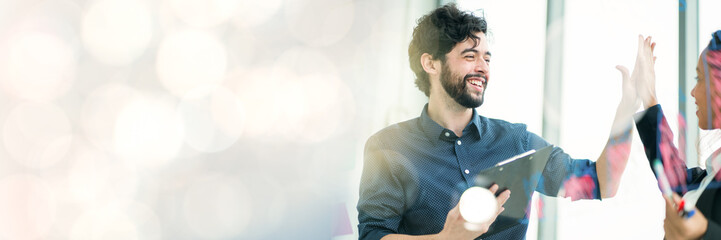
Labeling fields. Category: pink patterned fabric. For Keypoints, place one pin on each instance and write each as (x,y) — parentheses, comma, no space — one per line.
(615,157)
(673,162)
(682,135)
(579,187)
(713,58)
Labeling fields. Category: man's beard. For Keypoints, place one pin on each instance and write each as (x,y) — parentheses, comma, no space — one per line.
(456,88)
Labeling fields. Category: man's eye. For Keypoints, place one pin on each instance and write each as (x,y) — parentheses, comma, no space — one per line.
(488,60)
(469,57)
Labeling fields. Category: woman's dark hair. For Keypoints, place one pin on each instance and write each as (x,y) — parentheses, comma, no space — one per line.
(437,33)
(712,66)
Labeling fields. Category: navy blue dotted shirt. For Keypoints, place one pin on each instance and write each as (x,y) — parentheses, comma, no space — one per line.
(415,171)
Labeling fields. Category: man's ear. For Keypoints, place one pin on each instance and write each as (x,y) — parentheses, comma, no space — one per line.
(430,65)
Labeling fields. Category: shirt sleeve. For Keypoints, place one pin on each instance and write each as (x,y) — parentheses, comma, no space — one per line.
(657,139)
(564,176)
(647,125)
(381,198)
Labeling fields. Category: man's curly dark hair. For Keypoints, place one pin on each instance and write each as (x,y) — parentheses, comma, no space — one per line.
(437,33)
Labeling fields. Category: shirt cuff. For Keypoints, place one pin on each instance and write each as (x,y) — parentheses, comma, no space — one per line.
(648,116)
(583,181)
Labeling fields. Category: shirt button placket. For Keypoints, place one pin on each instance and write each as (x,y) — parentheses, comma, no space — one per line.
(461,161)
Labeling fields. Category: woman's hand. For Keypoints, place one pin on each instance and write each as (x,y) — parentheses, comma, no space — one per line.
(679,227)
(643,74)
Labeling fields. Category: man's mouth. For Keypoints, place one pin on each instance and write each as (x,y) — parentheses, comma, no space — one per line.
(477,82)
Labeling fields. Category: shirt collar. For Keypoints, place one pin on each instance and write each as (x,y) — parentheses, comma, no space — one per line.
(435,131)
(476,121)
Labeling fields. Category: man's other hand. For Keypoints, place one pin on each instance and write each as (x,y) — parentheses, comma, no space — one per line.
(458,228)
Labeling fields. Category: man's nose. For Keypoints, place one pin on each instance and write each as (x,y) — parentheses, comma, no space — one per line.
(482,66)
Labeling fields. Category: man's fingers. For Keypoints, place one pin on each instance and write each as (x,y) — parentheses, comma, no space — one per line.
(493,188)
(500,210)
(624,71)
(503,197)
(646,43)
(501,200)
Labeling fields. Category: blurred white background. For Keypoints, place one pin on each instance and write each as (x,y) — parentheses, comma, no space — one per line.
(243,119)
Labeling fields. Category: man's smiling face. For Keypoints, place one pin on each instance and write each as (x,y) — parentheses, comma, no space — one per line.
(465,72)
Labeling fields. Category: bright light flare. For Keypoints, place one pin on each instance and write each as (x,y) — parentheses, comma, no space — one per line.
(477,205)
(190,59)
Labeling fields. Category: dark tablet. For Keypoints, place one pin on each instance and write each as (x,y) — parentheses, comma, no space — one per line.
(520,174)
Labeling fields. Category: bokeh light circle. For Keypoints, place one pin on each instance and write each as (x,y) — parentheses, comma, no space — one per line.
(190,59)
(37,135)
(148,132)
(101,109)
(117,32)
(213,118)
(119,220)
(319,22)
(37,65)
(322,102)
(95,177)
(323,111)
(28,207)
(252,13)
(260,93)
(477,205)
(204,13)
(304,83)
